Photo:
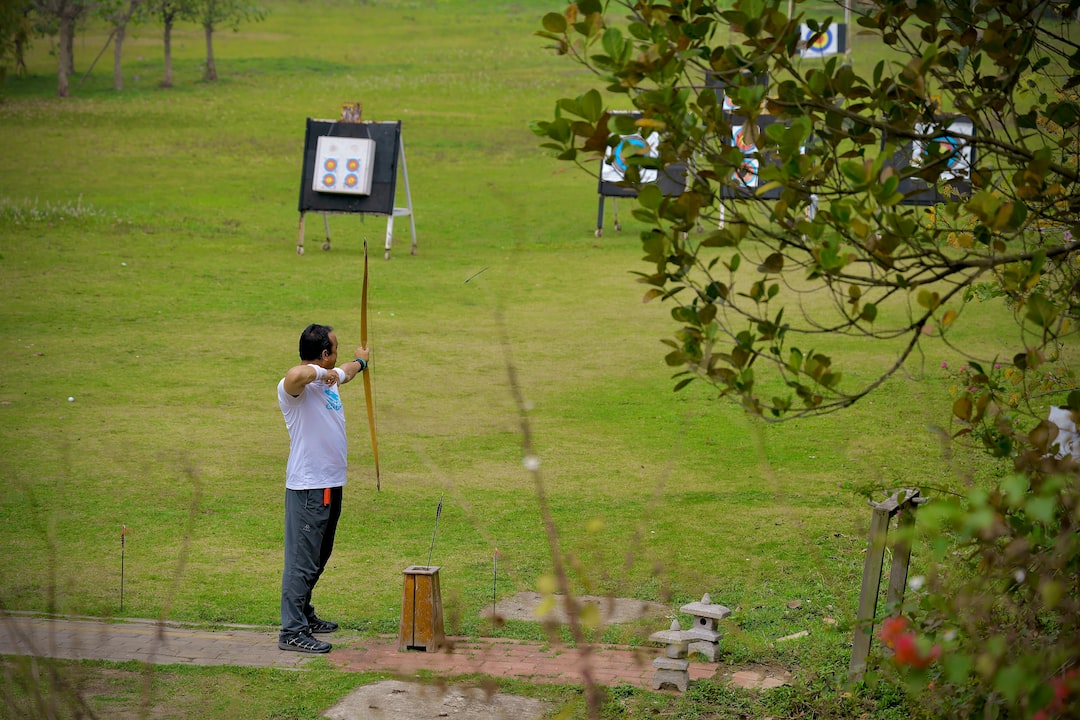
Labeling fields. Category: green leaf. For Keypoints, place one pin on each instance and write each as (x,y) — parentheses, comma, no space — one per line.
(1011,680)
(571,105)
(795,360)
(613,43)
(929,300)
(962,408)
(1041,508)
(1051,592)
(1041,311)
(555,23)
(768,187)
(855,172)
(773,264)
(560,130)
(592,106)
(958,668)
(1015,488)
(650,196)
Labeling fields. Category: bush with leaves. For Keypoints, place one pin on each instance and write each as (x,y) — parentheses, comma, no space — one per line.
(946,174)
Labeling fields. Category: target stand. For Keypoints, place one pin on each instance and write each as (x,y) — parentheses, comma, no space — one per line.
(613,182)
(351,168)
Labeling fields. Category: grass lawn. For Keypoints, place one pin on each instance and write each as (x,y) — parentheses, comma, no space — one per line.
(153,298)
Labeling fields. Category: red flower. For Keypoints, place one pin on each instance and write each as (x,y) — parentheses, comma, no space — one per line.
(908,652)
(1063,686)
(895,633)
(892,628)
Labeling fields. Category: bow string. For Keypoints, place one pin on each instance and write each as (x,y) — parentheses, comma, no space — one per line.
(369,396)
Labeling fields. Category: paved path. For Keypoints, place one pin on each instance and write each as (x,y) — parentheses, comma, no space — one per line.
(152,642)
(142,640)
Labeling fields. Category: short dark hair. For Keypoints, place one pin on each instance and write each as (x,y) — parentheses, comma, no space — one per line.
(314,340)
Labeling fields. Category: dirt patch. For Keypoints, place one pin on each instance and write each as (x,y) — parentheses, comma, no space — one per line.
(613,610)
(417,701)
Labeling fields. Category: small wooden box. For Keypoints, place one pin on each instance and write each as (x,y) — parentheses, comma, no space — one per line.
(421,610)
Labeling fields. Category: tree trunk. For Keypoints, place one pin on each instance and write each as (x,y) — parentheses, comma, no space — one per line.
(120,23)
(20,54)
(71,46)
(118,46)
(167,82)
(211,70)
(63,59)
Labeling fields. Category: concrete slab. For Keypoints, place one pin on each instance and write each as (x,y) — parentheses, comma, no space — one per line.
(420,701)
(613,610)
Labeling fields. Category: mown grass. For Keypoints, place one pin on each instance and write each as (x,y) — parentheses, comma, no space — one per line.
(147,257)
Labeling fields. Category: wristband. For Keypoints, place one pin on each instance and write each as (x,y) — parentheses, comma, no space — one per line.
(320,372)
(363,364)
(340,374)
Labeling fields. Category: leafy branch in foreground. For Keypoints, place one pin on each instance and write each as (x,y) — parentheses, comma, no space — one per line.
(821,202)
(806,175)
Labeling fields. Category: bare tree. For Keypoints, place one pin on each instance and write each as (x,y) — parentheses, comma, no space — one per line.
(66,13)
(170,11)
(215,13)
(14,34)
(120,16)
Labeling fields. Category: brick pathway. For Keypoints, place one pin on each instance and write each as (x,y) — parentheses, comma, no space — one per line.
(152,642)
(608,665)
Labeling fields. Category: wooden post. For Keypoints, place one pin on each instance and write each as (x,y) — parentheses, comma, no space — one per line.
(898,574)
(421,610)
(904,500)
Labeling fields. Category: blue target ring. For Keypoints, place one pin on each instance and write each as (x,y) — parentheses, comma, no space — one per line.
(950,147)
(629,145)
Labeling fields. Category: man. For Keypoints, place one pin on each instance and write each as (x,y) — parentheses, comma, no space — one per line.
(314,478)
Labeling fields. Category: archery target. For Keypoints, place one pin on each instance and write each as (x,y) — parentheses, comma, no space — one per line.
(828,42)
(747,173)
(344,165)
(955,151)
(615,161)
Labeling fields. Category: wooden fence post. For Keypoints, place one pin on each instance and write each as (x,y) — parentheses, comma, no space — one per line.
(905,500)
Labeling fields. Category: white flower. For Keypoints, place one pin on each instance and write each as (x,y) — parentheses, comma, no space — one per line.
(1020,574)
(916,583)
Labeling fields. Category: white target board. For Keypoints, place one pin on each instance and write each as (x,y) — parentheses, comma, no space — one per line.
(823,43)
(616,162)
(343,165)
(955,151)
(747,173)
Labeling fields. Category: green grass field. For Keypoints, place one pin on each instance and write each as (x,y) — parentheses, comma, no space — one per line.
(147,258)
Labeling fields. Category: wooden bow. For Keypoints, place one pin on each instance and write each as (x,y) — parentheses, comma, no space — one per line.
(368,395)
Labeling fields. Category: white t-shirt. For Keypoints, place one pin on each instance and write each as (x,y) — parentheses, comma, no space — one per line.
(317,445)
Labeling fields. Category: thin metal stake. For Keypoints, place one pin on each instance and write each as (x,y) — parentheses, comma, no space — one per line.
(495,583)
(123,532)
(438,512)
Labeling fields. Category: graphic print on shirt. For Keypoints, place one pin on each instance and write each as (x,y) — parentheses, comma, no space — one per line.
(333,400)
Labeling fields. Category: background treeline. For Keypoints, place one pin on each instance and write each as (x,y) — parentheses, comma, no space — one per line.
(56,22)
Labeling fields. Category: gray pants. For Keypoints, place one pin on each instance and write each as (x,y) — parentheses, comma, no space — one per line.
(309,539)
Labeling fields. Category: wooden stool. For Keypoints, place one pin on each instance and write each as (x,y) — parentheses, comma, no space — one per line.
(421,610)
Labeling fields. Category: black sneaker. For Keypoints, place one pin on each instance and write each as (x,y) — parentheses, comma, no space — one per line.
(317,625)
(303,643)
